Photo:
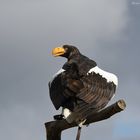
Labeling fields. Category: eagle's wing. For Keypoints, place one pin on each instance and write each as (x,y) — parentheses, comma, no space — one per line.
(92,89)
(56,89)
(62,89)
(92,97)
(97,91)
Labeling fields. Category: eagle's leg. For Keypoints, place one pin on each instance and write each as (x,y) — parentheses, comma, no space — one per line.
(65,113)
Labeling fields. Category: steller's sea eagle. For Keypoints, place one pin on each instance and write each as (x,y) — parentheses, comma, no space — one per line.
(80,87)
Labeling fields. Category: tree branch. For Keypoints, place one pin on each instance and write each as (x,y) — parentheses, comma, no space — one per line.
(54,128)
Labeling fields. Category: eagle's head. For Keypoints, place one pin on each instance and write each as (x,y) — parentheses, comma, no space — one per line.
(66,51)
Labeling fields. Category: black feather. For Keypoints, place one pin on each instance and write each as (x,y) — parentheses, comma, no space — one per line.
(82,92)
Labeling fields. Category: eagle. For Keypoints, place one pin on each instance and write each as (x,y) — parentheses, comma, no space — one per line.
(80,87)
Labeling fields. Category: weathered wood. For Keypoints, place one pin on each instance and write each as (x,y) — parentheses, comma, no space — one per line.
(54,128)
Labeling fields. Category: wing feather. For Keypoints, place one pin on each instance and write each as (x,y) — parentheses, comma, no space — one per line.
(97,91)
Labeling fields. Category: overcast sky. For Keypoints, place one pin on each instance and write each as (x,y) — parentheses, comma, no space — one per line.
(107,31)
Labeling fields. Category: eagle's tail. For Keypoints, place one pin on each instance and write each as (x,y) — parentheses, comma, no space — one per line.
(78,133)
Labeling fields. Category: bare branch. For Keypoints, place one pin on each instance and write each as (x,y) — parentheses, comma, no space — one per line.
(54,128)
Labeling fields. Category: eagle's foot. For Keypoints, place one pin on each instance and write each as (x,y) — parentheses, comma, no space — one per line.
(58,117)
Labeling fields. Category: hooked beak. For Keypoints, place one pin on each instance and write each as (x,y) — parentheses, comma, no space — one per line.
(58,51)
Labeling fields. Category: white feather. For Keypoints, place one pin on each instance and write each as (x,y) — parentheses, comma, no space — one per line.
(108,76)
(55,75)
(66,112)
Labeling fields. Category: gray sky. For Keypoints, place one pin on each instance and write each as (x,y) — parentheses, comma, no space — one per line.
(107,31)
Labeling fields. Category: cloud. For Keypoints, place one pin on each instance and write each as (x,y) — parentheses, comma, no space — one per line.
(29,30)
(127,129)
(64,21)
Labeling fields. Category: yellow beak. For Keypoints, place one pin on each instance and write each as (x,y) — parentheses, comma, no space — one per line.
(58,51)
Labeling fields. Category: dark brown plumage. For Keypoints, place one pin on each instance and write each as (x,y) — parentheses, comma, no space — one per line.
(81,86)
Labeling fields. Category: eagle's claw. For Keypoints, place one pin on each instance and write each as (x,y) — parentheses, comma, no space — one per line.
(58,117)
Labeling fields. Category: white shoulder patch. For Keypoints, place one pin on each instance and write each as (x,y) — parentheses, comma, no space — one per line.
(108,76)
(60,71)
